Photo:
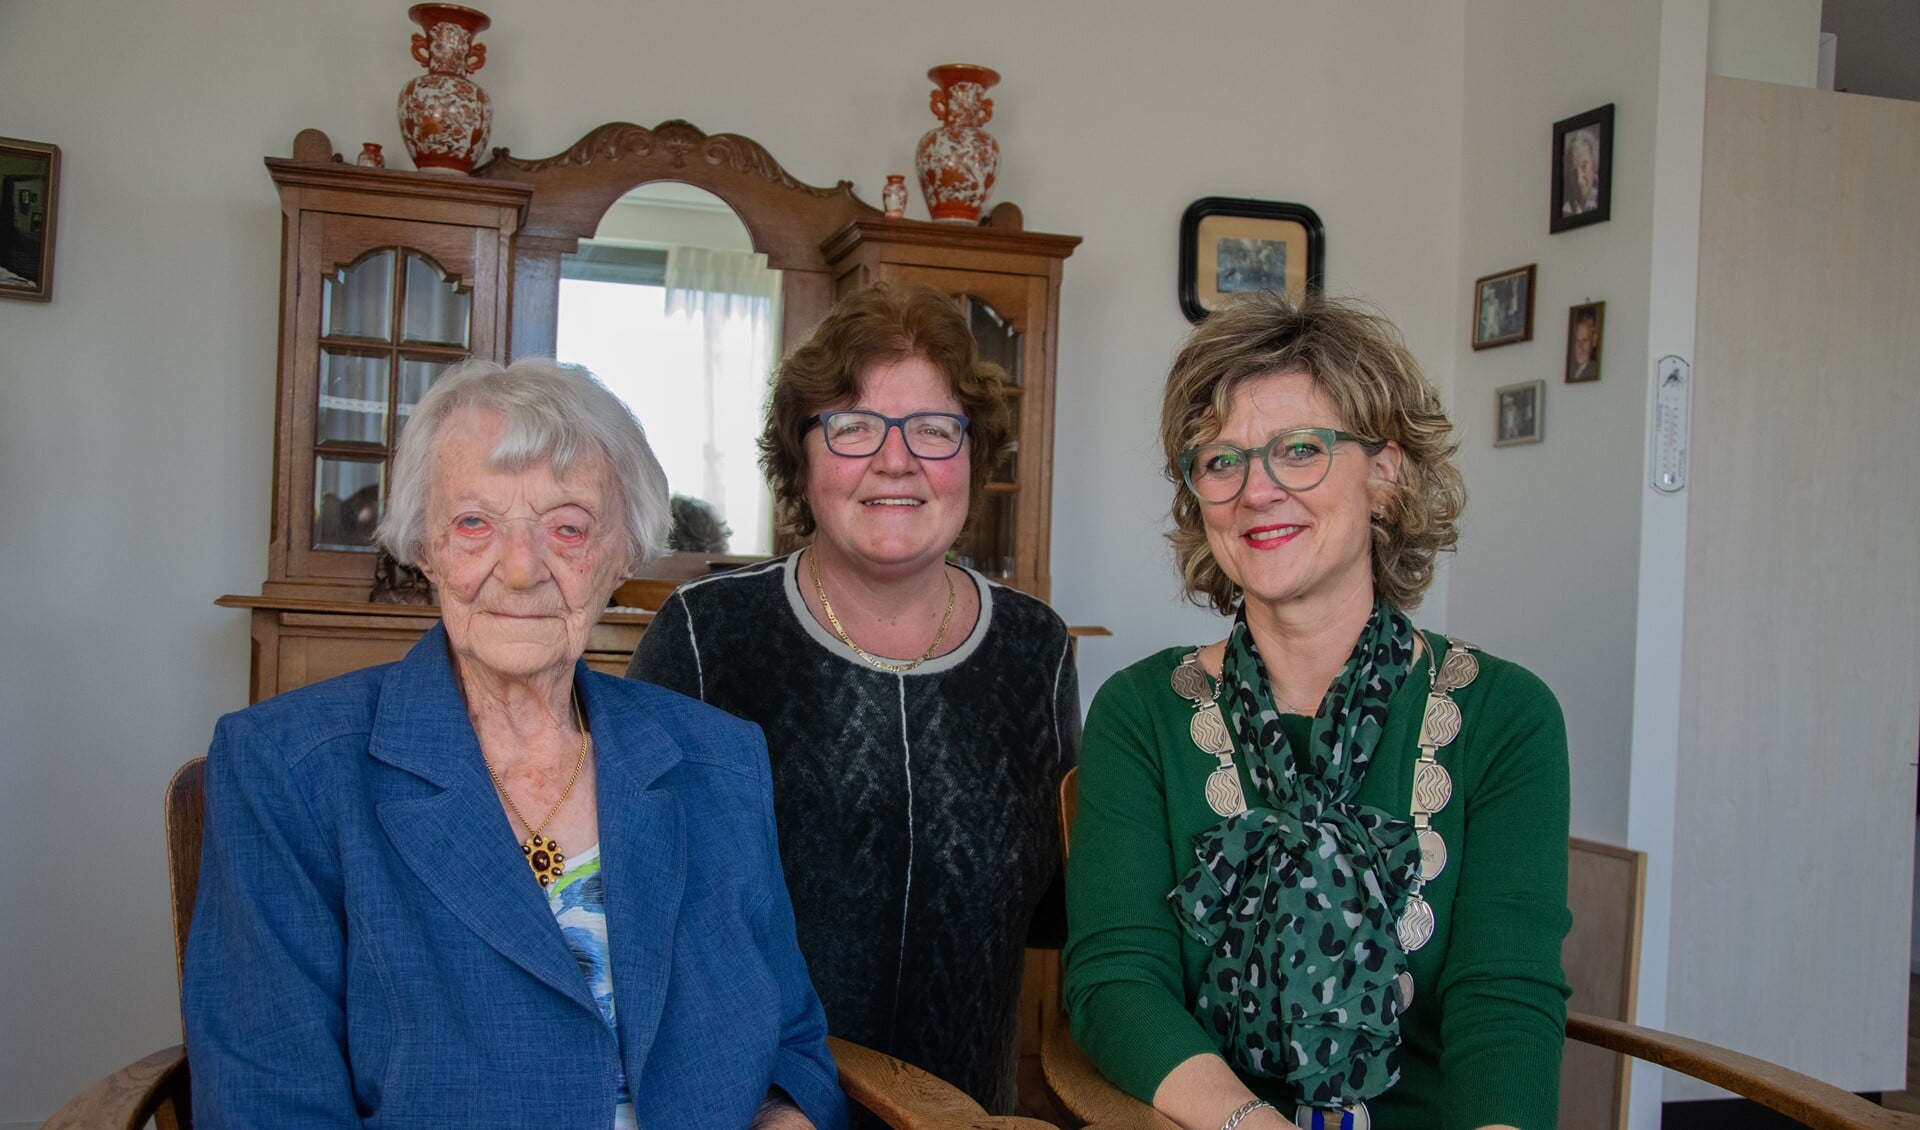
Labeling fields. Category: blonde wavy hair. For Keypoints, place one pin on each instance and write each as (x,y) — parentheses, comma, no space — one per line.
(1359,360)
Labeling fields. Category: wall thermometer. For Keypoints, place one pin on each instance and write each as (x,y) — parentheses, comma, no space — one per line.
(1672,405)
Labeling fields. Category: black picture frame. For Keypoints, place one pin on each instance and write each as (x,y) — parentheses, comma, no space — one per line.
(1229,244)
(1503,307)
(29,198)
(1572,206)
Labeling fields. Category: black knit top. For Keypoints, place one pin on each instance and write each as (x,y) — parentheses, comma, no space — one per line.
(917,812)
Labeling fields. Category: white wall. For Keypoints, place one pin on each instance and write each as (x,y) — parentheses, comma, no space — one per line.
(1765,40)
(136,410)
(1546,572)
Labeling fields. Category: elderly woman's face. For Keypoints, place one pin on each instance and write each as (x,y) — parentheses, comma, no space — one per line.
(1282,546)
(524,561)
(1585,174)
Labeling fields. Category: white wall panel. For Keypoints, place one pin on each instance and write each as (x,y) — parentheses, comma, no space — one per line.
(1801,664)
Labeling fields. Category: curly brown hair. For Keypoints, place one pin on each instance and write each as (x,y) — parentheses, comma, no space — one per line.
(1358,359)
(878,323)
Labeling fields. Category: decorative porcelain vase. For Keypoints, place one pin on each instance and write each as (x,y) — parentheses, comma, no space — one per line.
(444,116)
(957,161)
(370,156)
(893,198)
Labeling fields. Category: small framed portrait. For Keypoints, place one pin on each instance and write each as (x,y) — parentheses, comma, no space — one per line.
(1582,170)
(1517,412)
(1586,324)
(1228,246)
(29,188)
(1503,308)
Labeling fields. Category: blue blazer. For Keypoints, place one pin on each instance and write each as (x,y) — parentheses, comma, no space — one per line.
(369,949)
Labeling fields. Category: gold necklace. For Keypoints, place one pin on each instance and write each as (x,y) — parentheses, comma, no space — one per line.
(543,854)
(820,590)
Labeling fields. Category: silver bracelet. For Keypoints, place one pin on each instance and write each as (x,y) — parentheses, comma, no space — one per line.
(1246,1108)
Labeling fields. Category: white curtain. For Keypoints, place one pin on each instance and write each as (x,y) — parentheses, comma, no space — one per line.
(732,301)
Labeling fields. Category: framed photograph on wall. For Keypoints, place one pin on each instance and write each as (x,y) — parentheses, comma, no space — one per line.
(1517,411)
(29,189)
(1503,308)
(1586,324)
(1229,245)
(1582,170)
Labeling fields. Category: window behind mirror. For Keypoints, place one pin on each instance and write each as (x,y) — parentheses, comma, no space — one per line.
(671,308)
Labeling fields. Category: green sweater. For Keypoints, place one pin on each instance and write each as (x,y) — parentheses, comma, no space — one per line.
(1481,1044)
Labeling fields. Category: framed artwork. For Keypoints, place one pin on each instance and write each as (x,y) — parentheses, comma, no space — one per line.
(1228,245)
(1582,170)
(1517,412)
(1503,308)
(1586,323)
(29,189)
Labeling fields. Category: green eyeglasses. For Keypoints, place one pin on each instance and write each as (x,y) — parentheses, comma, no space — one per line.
(1296,461)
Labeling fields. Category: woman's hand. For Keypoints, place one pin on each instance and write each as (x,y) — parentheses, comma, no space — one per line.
(1203,1092)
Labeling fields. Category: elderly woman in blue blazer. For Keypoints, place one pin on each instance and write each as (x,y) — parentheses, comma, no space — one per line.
(485,886)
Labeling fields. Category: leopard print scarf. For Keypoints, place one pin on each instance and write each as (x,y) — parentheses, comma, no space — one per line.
(1297,897)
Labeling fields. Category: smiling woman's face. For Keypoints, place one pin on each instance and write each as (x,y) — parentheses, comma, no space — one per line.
(524,562)
(890,514)
(1289,548)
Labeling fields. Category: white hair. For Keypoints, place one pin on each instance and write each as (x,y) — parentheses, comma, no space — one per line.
(556,415)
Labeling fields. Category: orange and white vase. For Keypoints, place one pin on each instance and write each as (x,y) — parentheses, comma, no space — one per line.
(957,161)
(444,116)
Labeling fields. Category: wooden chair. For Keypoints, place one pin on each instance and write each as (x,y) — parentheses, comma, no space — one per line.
(157,1087)
(1077,1085)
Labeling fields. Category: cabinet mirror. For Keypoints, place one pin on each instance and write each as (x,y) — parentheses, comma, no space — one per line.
(671,306)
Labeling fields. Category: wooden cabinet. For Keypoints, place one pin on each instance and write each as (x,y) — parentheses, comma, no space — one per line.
(297,642)
(1009,284)
(387,279)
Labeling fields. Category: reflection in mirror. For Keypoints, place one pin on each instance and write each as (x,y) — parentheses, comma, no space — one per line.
(669,305)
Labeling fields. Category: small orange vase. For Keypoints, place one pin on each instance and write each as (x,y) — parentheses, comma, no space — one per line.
(958,161)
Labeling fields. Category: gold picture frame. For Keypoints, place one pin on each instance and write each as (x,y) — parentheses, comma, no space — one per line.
(1586,341)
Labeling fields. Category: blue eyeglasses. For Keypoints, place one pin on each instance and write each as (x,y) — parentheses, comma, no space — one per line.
(855,432)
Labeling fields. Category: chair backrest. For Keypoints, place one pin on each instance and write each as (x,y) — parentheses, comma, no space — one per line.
(1606,887)
(186,805)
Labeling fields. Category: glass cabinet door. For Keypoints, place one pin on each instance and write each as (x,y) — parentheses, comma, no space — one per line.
(392,321)
(991,545)
(386,280)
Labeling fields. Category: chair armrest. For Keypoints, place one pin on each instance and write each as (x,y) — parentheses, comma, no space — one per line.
(1803,1098)
(907,1098)
(147,1088)
(1077,1085)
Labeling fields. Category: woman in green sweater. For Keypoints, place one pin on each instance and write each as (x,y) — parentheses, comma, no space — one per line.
(1319,868)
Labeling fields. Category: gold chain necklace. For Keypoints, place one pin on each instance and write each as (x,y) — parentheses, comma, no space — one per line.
(543,854)
(820,590)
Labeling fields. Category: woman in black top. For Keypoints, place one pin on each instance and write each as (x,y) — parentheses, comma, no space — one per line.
(919,716)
